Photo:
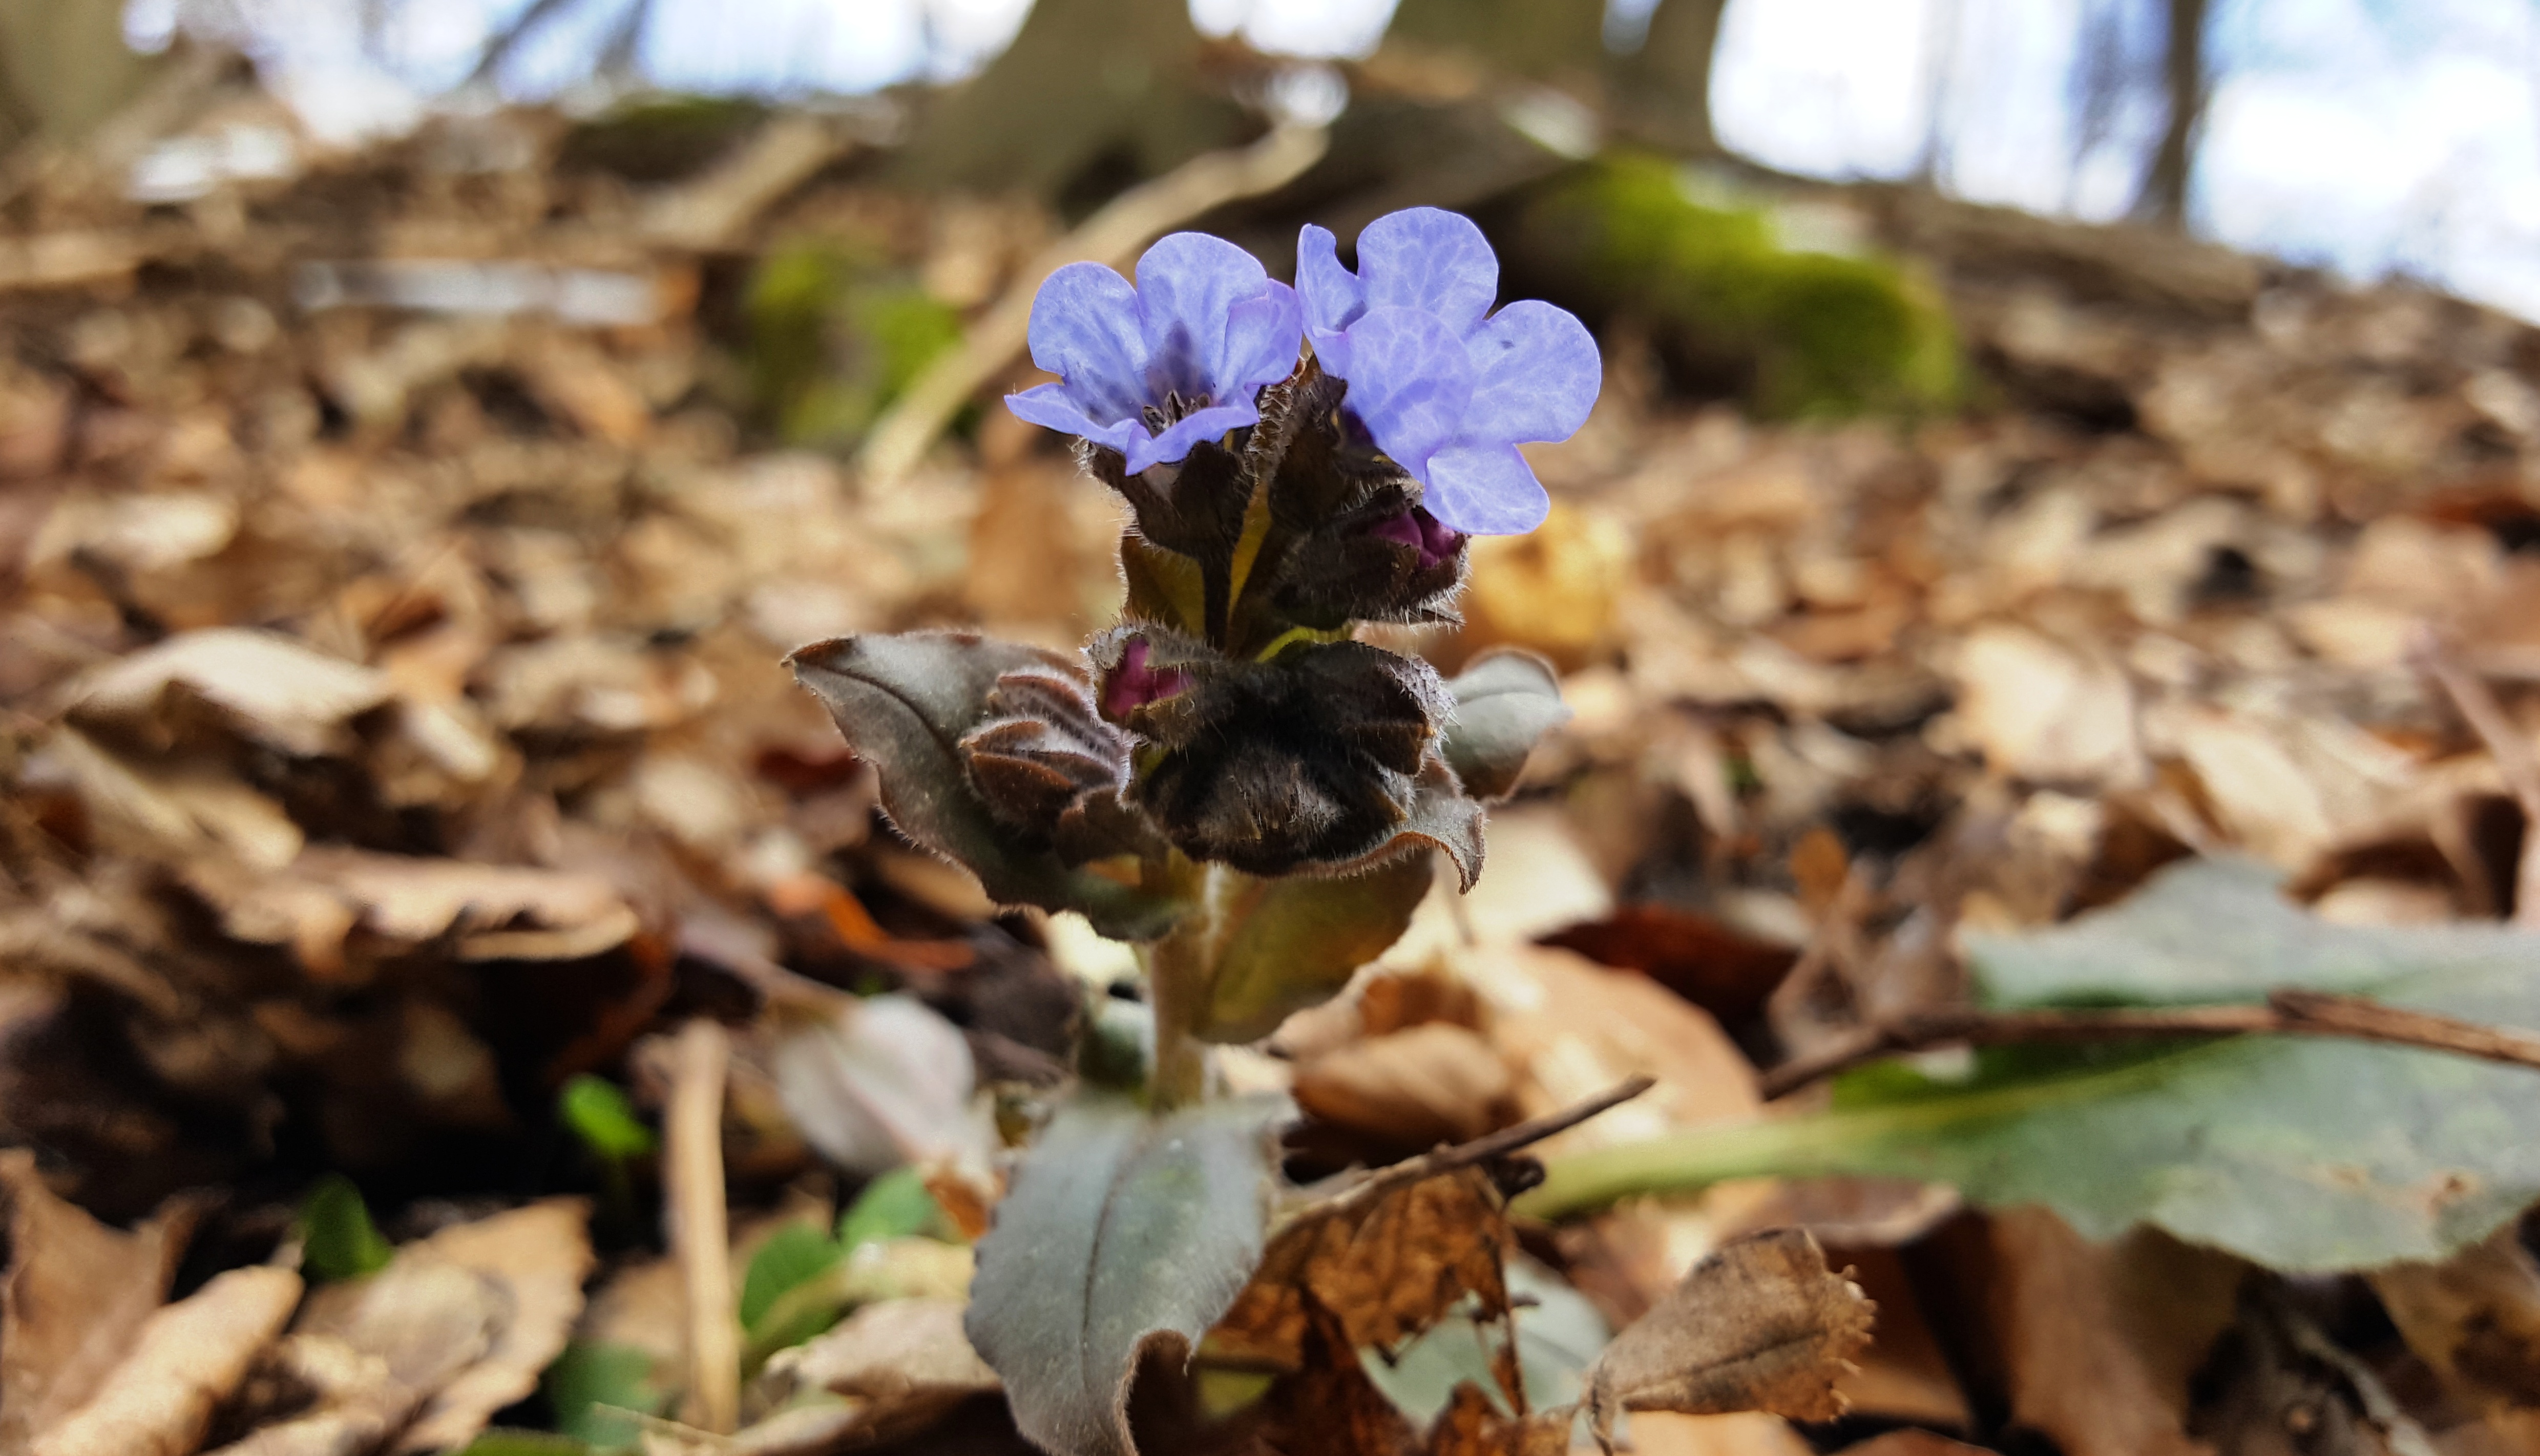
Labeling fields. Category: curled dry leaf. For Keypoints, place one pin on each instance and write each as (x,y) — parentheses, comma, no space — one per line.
(77,1293)
(900,1364)
(1762,1325)
(1375,1274)
(2475,1318)
(269,689)
(1424,1085)
(341,1400)
(1472,1425)
(466,1318)
(877,1082)
(489,911)
(185,1361)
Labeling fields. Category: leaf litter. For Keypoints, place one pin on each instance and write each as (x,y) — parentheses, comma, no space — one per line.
(396,735)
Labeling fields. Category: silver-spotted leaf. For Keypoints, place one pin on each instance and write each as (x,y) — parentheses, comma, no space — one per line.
(1505,701)
(905,702)
(1124,1233)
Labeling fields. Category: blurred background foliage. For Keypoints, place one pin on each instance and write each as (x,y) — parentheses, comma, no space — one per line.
(1618,148)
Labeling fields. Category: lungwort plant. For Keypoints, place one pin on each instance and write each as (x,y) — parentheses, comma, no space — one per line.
(1226,778)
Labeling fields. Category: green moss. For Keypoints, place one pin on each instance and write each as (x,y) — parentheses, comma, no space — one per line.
(1800,333)
(835,338)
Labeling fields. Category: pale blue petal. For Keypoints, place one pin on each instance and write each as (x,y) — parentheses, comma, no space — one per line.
(1190,430)
(1485,489)
(1054,407)
(1535,374)
(1330,293)
(1260,343)
(1425,257)
(1411,384)
(1188,284)
(1085,329)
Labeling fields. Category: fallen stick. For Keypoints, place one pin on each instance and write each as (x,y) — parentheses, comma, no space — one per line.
(700,1236)
(1481,1149)
(2289,1012)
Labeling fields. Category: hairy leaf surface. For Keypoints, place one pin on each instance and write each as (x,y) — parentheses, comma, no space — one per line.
(1505,703)
(1123,1231)
(904,703)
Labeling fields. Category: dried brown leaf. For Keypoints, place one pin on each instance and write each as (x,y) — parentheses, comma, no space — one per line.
(1472,1426)
(338,1400)
(465,1319)
(77,1293)
(1761,1325)
(1431,1083)
(1378,1274)
(903,1363)
(542,1253)
(2101,1342)
(267,689)
(187,1358)
(2475,1318)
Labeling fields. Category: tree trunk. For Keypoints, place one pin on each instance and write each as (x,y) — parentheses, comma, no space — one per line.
(1092,97)
(1662,90)
(1543,40)
(2163,198)
(64,67)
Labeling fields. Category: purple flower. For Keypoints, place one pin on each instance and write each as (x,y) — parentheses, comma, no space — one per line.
(1446,387)
(1151,370)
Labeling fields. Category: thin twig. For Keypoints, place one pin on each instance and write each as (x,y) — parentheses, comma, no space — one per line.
(700,1237)
(2289,1012)
(2514,761)
(1481,1149)
(1114,235)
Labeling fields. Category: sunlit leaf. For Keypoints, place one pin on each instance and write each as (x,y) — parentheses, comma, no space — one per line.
(1124,1233)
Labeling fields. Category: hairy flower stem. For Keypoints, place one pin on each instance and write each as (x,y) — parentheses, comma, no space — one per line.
(1177,991)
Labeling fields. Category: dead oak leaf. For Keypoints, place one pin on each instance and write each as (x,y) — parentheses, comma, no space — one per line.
(543,1252)
(1472,1426)
(187,1358)
(1383,1272)
(332,1400)
(1761,1325)
(77,1292)
(267,689)
(466,1318)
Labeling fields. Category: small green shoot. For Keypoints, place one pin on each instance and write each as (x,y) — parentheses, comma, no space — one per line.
(338,1239)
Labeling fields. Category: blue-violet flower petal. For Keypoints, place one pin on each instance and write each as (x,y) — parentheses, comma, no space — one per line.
(1151,370)
(1527,372)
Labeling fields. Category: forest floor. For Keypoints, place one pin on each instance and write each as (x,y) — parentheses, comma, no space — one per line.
(398,756)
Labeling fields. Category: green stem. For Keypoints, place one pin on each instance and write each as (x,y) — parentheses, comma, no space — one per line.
(1177,991)
(1682,1163)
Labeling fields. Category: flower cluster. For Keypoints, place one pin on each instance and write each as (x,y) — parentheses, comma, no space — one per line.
(1226,778)
(1298,460)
